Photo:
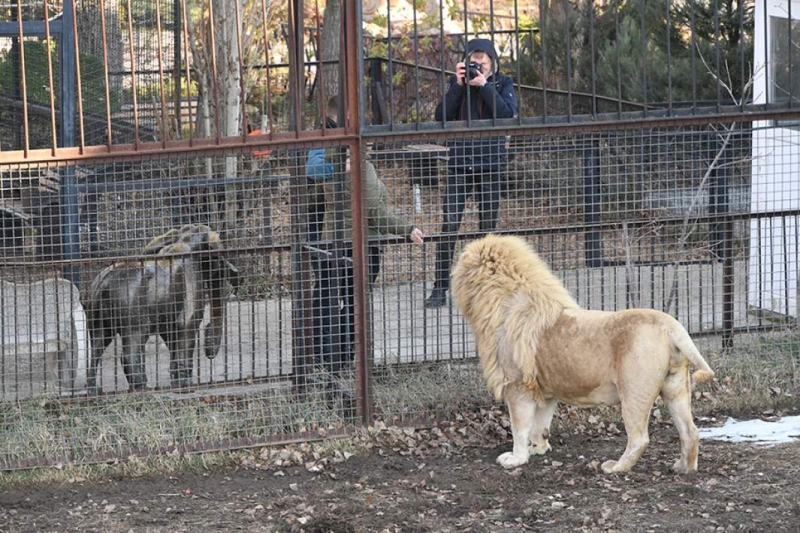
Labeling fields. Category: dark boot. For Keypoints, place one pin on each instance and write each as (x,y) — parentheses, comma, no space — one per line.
(438,298)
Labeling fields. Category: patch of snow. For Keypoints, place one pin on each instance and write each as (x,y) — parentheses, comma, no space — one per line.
(786,429)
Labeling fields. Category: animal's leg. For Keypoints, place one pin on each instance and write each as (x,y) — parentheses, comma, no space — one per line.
(214,331)
(181,356)
(676,394)
(540,431)
(521,411)
(100,341)
(133,359)
(636,414)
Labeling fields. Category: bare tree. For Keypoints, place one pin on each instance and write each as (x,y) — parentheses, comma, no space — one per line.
(331,47)
(226,40)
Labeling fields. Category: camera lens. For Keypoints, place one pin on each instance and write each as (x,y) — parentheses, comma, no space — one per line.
(473,69)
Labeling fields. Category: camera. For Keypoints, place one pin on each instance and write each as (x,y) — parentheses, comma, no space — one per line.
(473,69)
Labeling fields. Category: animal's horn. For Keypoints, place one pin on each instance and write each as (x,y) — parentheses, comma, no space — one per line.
(194,236)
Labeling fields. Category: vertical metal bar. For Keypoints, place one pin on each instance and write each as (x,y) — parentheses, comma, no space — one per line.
(643,30)
(68,187)
(185,31)
(492,37)
(3,328)
(693,55)
(23,83)
(718,197)
(593,52)
(161,88)
(787,266)
(300,77)
(252,308)
(390,67)
(241,69)
(353,65)
(591,203)
(568,37)
(518,69)
(789,48)
(767,64)
(176,64)
(323,101)
(133,79)
(717,53)
(51,89)
(415,48)
(742,59)
(267,66)
(296,59)
(619,60)
(669,60)
(728,284)
(467,95)
(301,312)
(378,107)
(543,34)
(443,76)
(77,78)
(109,137)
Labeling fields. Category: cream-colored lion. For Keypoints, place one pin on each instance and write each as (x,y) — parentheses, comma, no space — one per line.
(537,346)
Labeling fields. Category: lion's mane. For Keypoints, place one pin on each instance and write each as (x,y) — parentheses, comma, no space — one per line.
(509,296)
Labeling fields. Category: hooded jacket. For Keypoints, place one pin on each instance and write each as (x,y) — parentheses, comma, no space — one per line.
(494,100)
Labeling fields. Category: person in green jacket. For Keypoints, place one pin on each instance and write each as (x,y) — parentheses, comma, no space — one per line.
(381,220)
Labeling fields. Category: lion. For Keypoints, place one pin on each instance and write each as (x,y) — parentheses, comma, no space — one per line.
(537,346)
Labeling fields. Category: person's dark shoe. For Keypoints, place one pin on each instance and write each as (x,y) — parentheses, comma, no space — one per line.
(438,298)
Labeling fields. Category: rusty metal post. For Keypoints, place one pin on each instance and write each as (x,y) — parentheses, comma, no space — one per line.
(353,67)
(301,276)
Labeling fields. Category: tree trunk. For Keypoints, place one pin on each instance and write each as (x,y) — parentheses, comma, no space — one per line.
(331,47)
(229,86)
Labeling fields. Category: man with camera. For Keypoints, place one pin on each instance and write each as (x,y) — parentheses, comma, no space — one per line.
(476,164)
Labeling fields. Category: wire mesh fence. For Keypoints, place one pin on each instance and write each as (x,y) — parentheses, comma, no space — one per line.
(626,219)
(193,260)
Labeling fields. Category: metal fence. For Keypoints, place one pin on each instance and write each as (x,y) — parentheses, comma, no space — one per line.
(175,276)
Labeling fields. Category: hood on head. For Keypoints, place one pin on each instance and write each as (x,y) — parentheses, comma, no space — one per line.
(487,46)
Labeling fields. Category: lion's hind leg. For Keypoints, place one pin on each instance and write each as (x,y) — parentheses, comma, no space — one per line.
(638,438)
(676,394)
(540,430)
(636,399)
(521,411)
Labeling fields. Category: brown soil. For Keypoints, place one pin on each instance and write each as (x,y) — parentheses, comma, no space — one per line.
(437,484)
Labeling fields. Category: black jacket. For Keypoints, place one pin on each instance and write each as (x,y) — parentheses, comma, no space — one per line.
(494,100)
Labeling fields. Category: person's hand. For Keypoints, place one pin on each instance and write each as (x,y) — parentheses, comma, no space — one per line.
(461,73)
(479,80)
(417,236)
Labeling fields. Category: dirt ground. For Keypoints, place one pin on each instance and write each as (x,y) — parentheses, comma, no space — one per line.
(441,479)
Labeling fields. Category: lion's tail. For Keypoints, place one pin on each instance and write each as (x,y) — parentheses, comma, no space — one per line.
(682,341)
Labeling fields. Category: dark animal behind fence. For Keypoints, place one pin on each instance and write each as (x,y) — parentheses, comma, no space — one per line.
(164,296)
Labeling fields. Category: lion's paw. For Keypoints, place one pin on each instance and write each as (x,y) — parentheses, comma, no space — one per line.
(540,448)
(609,467)
(509,460)
(680,467)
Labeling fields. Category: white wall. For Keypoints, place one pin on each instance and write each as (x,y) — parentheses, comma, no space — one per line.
(772,283)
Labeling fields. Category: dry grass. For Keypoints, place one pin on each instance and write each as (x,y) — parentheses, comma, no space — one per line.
(760,374)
